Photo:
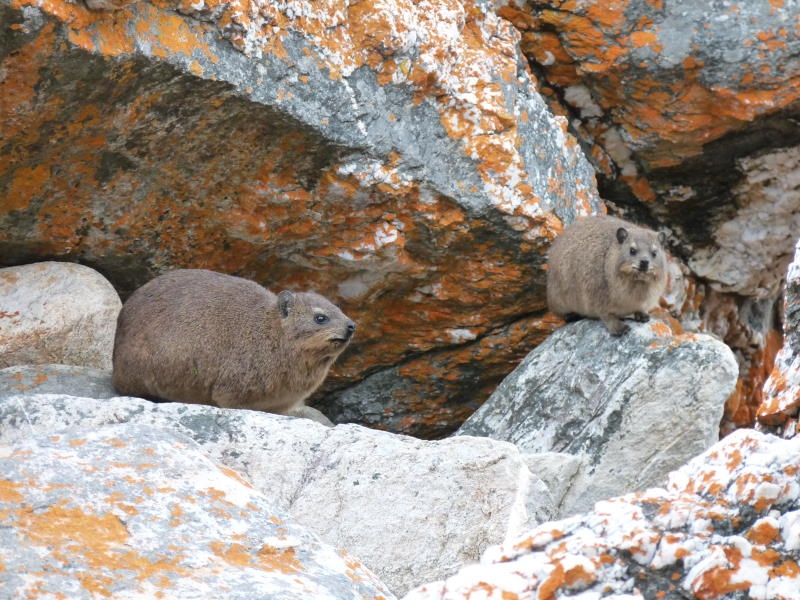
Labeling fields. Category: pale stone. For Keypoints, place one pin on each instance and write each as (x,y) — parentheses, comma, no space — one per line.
(636,407)
(411,510)
(135,512)
(56,312)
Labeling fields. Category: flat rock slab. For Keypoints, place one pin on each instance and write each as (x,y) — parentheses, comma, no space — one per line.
(412,510)
(56,312)
(138,512)
(727,526)
(635,407)
(56,379)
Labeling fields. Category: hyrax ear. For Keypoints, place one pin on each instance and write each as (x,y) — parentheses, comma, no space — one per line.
(285,302)
(662,238)
(622,234)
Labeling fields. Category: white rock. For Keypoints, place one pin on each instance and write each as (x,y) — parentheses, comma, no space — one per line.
(411,510)
(54,312)
(136,512)
(633,408)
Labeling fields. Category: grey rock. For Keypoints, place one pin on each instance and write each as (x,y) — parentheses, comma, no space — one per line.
(54,312)
(411,510)
(635,407)
(130,511)
(725,526)
(56,379)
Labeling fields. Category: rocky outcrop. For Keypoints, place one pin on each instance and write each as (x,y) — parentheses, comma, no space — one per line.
(411,510)
(689,114)
(632,408)
(725,526)
(55,312)
(138,512)
(781,406)
(394,156)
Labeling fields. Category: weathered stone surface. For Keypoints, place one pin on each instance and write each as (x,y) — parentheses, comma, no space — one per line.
(411,510)
(56,379)
(782,390)
(636,407)
(55,312)
(138,512)
(394,156)
(725,527)
(689,113)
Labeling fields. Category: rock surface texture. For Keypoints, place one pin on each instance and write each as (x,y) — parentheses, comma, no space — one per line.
(689,113)
(55,312)
(725,527)
(393,156)
(782,390)
(128,511)
(632,408)
(411,510)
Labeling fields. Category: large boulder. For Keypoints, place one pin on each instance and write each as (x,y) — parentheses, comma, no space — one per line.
(411,510)
(138,512)
(632,408)
(394,156)
(726,526)
(54,312)
(689,113)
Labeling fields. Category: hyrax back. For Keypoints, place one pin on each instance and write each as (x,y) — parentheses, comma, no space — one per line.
(606,268)
(202,337)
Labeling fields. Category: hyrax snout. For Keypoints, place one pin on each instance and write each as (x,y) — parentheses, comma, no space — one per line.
(606,268)
(202,337)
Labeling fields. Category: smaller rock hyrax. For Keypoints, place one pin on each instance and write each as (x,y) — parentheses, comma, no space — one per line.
(606,268)
(202,337)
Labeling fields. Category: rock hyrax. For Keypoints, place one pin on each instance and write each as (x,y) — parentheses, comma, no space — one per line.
(201,337)
(606,268)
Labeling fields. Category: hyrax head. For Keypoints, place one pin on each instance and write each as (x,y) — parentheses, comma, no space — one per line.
(641,253)
(313,325)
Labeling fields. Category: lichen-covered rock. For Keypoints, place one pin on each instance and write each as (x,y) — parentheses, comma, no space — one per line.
(726,526)
(56,379)
(689,113)
(394,156)
(635,407)
(782,389)
(139,512)
(54,312)
(411,510)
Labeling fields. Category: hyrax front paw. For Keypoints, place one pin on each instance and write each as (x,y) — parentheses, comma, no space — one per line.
(641,317)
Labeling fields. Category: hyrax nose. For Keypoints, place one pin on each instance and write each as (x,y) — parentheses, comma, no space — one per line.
(643,265)
(351,328)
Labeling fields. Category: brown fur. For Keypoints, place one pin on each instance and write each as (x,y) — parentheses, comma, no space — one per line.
(592,273)
(201,337)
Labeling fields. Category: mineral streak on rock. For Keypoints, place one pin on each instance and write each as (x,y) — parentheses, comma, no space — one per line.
(394,156)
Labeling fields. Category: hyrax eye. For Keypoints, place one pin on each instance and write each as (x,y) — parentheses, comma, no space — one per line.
(633,251)
(321,319)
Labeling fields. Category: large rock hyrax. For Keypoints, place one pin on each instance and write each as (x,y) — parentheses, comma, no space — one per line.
(202,337)
(606,268)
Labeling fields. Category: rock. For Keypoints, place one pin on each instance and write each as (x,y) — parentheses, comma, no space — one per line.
(636,407)
(394,156)
(411,510)
(726,526)
(782,389)
(138,512)
(56,312)
(56,379)
(689,114)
